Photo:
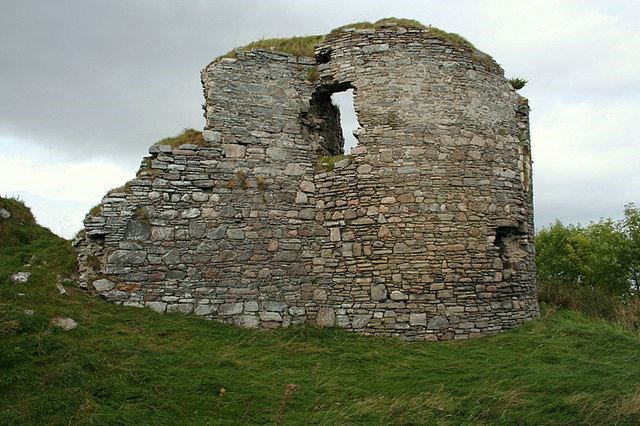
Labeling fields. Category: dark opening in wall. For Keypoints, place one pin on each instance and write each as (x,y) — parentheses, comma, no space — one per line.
(509,245)
(324,119)
(323,56)
(99,238)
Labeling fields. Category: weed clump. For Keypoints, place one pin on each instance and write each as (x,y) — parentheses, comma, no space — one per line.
(141,214)
(312,74)
(95,210)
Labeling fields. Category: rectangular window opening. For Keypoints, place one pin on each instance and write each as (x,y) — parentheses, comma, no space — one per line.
(348,118)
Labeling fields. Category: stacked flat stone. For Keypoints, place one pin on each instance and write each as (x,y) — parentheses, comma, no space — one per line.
(424,232)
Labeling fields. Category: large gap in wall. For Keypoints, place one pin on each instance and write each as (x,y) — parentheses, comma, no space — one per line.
(508,242)
(348,118)
(322,122)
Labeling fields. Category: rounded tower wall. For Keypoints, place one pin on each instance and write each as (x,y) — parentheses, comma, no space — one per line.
(423,232)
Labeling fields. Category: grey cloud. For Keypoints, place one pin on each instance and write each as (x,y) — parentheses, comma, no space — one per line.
(109,78)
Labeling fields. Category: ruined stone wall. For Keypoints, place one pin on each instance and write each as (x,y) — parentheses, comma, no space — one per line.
(431,222)
(425,232)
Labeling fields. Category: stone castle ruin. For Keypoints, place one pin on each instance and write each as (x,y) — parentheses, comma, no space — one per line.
(423,232)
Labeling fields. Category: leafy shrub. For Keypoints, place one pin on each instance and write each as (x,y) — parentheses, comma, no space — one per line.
(517,82)
(593,269)
(601,255)
(592,302)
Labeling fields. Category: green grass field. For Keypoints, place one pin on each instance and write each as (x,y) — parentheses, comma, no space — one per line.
(131,365)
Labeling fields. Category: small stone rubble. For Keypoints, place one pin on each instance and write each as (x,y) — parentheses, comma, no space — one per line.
(4,214)
(423,232)
(65,323)
(20,277)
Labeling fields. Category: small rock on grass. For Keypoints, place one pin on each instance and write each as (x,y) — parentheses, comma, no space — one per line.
(64,323)
(20,277)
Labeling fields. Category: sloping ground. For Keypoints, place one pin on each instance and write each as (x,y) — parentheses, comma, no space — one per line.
(129,365)
(17,224)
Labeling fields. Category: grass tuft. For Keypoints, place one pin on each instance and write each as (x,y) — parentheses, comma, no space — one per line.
(313,74)
(327,163)
(187,137)
(95,210)
(126,189)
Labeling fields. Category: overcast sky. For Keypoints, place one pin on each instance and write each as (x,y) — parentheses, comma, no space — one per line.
(87,86)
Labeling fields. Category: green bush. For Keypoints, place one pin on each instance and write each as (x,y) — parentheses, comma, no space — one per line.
(593,269)
(517,83)
(591,302)
(602,255)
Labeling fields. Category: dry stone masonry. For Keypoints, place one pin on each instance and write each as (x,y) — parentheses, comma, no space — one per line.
(423,232)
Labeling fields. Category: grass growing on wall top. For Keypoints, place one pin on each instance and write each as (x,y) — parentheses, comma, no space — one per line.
(296,46)
(188,136)
(456,39)
(131,365)
(364,25)
(305,45)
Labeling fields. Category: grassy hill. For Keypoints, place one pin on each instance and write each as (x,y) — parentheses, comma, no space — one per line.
(130,365)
